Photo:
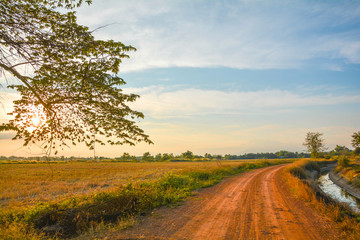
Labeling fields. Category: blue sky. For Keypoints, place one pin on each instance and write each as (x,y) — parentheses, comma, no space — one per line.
(233,76)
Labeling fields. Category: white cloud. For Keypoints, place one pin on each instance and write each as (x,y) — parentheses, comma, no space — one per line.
(244,34)
(351,51)
(160,102)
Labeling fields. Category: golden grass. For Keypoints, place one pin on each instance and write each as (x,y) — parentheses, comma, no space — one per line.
(351,172)
(23,185)
(80,196)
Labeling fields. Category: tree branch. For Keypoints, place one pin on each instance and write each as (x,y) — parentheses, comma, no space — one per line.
(24,80)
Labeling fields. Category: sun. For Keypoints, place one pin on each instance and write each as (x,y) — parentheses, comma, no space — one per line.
(36,118)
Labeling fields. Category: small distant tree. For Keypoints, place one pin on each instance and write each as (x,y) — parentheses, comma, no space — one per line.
(356,142)
(314,143)
(158,157)
(125,156)
(147,157)
(340,150)
(187,155)
(208,155)
(166,157)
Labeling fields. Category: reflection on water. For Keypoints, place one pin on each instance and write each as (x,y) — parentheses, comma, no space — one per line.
(335,192)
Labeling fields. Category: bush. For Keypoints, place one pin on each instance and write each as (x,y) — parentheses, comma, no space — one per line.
(357,151)
(343,161)
(200,175)
(298,172)
(175,181)
(312,165)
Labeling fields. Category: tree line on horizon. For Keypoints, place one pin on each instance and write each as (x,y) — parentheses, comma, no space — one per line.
(313,141)
(162,157)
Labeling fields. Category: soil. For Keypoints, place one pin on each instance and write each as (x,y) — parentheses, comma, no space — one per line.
(252,205)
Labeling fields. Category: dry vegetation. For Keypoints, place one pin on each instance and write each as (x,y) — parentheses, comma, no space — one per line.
(29,183)
(295,175)
(350,171)
(70,198)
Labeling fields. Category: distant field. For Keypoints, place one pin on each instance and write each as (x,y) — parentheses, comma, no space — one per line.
(26,184)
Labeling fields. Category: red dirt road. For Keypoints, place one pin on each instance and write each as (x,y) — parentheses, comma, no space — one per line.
(253,205)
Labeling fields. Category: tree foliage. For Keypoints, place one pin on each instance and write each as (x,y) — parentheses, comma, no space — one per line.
(314,143)
(67,79)
(340,150)
(356,140)
(343,161)
(187,155)
(147,157)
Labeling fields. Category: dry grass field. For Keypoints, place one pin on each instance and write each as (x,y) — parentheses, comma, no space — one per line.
(67,199)
(25,184)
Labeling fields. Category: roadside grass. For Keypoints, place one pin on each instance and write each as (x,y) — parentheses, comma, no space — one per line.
(115,206)
(296,176)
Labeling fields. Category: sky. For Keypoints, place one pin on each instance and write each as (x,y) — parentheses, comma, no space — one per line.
(230,76)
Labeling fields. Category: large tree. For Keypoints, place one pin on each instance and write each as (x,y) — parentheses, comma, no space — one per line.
(314,143)
(68,81)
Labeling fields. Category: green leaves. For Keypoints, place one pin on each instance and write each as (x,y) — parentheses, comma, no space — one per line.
(355,142)
(72,79)
(314,143)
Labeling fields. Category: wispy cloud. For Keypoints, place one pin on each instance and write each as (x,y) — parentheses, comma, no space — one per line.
(161,102)
(240,34)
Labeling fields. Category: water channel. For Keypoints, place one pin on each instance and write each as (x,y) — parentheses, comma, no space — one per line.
(337,193)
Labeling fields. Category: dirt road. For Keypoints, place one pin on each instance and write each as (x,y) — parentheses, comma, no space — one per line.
(253,205)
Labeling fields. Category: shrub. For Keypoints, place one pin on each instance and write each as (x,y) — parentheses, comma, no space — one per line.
(175,181)
(357,151)
(343,161)
(298,172)
(312,165)
(200,175)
